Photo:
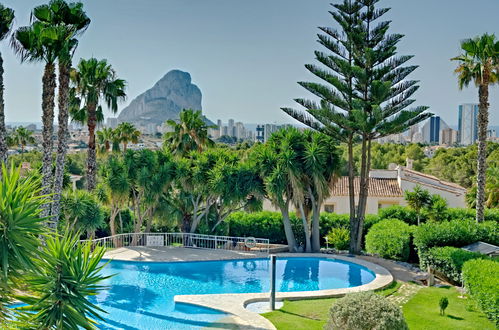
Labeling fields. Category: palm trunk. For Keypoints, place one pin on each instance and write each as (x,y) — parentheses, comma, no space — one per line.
(308,247)
(483,122)
(48,95)
(124,147)
(62,138)
(3,131)
(107,146)
(91,156)
(316,239)
(288,230)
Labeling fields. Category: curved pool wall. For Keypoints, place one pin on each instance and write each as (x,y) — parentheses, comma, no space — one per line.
(142,294)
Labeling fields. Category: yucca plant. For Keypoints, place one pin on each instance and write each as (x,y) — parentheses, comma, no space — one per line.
(20,227)
(69,272)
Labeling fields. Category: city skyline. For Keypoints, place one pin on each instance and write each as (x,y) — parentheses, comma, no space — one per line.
(274,52)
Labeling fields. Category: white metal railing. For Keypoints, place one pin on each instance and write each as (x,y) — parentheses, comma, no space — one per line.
(184,240)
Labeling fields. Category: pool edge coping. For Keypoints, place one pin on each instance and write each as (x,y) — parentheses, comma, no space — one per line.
(235,303)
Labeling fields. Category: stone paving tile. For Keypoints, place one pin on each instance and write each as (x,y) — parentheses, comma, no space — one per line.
(404,294)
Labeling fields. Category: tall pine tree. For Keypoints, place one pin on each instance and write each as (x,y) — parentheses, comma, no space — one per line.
(364,95)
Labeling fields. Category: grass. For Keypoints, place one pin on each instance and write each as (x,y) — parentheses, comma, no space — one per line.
(310,314)
(421,312)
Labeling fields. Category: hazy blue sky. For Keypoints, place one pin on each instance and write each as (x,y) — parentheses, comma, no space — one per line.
(246,56)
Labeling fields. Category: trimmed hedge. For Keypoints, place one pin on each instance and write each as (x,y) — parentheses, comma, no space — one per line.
(448,261)
(481,279)
(265,224)
(401,213)
(455,233)
(390,239)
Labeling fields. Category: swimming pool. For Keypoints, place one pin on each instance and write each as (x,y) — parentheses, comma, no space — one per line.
(140,295)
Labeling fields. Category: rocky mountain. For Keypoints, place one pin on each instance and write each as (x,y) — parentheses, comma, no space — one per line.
(170,95)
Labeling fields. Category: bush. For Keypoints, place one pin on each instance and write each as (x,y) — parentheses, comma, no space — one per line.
(455,233)
(448,261)
(401,213)
(481,280)
(365,310)
(389,239)
(264,224)
(339,238)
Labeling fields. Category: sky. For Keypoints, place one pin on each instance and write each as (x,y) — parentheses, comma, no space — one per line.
(247,56)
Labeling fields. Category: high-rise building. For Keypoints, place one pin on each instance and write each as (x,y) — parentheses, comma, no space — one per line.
(431,129)
(240,131)
(467,123)
(448,136)
(230,128)
(260,133)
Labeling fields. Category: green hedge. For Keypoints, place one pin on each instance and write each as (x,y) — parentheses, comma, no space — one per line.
(455,233)
(481,279)
(401,213)
(408,215)
(448,261)
(265,224)
(390,239)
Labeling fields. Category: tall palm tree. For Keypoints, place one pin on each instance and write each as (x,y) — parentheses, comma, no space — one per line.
(73,18)
(95,80)
(126,132)
(41,42)
(6,19)
(479,63)
(188,134)
(105,137)
(22,137)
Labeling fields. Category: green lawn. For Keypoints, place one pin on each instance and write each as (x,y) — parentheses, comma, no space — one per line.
(421,312)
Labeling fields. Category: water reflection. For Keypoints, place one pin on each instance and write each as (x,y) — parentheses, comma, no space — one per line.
(299,272)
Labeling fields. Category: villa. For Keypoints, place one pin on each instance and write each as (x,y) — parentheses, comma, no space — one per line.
(387,187)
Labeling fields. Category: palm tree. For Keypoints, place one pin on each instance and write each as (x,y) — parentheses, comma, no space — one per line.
(479,63)
(95,80)
(418,200)
(23,137)
(126,132)
(190,133)
(106,137)
(73,18)
(35,43)
(6,19)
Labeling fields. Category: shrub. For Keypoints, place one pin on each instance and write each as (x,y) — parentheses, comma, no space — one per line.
(390,239)
(365,310)
(264,224)
(401,213)
(456,233)
(481,280)
(443,303)
(448,261)
(339,238)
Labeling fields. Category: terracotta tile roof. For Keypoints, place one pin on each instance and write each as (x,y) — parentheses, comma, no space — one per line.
(378,187)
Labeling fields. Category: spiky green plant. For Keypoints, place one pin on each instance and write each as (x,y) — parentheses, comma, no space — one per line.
(69,273)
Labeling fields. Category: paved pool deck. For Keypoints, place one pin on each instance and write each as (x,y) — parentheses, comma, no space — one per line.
(235,304)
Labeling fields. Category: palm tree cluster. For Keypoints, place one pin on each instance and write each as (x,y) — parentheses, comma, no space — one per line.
(479,63)
(364,94)
(110,139)
(21,137)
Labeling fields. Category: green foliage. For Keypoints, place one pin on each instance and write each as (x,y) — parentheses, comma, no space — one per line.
(20,225)
(447,261)
(189,134)
(398,212)
(339,238)
(443,303)
(68,273)
(365,310)
(481,280)
(390,239)
(455,233)
(263,224)
(82,211)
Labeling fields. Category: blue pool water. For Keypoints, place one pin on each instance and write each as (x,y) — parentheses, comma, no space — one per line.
(140,295)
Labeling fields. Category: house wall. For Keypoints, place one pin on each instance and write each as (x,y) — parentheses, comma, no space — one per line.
(341,204)
(454,199)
